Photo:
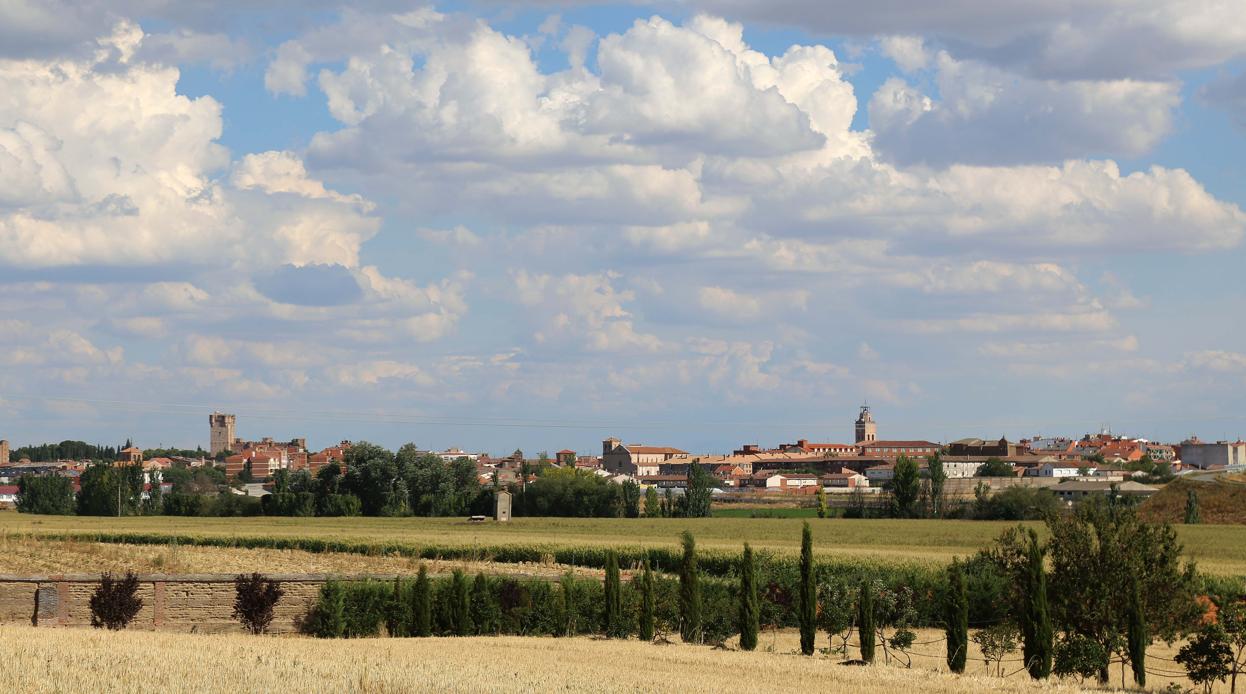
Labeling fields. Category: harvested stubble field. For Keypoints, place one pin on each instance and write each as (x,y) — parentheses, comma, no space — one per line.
(1218,549)
(27,556)
(145,662)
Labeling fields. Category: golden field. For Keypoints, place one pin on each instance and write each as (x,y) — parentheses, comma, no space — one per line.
(77,660)
(1218,549)
(28,556)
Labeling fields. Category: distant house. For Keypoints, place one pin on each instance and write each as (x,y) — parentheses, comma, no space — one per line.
(129,456)
(1205,456)
(791,482)
(452,454)
(845,480)
(565,457)
(8,495)
(1065,469)
(879,475)
(804,446)
(894,449)
(1072,492)
(635,459)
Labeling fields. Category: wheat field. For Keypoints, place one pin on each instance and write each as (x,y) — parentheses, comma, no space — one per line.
(76,660)
(1218,549)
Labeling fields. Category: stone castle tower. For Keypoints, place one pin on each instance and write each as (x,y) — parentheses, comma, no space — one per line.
(867,429)
(221,428)
(4,452)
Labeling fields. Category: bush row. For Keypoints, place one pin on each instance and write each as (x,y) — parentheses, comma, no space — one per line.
(493,605)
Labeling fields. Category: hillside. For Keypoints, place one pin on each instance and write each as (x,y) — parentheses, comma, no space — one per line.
(1222,502)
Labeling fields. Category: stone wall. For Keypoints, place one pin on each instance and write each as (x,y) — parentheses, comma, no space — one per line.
(198,603)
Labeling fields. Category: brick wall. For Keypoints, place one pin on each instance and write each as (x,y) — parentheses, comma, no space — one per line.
(199,603)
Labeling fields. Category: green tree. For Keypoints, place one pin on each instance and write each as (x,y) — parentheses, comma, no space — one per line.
(153,505)
(956,618)
(1232,618)
(807,609)
(822,510)
(750,613)
(612,616)
(1207,658)
(1191,508)
(108,490)
(938,479)
(1096,554)
(697,497)
(460,604)
(996,642)
(689,592)
(653,507)
(631,499)
(486,616)
(994,467)
(865,622)
(648,603)
(1081,656)
(1137,637)
(1033,615)
(422,609)
(46,494)
(905,487)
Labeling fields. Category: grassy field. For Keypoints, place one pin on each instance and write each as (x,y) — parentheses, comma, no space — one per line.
(108,662)
(1218,549)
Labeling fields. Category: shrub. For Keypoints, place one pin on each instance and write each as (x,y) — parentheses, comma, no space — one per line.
(1080,656)
(328,618)
(647,604)
(422,605)
(485,616)
(115,602)
(255,598)
(339,505)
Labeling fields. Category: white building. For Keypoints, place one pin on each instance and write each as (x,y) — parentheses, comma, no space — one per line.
(452,454)
(1065,469)
(1205,455)
(637,460)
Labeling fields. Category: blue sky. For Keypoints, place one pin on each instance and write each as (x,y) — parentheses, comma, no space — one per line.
(706,223)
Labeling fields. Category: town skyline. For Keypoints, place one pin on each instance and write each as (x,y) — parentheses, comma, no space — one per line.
(585,438)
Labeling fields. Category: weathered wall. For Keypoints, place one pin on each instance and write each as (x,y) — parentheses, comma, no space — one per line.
(200,603)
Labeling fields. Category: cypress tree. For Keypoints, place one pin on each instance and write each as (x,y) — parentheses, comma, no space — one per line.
(822,510)
(460,605)
(750,616)
(1137,635)
(956,618)
(485,611)
(646,604)
(422,599)
(807,610)
(689,592)
(612,616)
(865,621)
(398,621)
(1191,508)
(1036,631)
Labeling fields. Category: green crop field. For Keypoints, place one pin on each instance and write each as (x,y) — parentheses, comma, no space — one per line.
(1218,549)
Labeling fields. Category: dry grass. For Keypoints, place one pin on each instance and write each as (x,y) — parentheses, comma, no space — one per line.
(29,556)
(35,661)
(1219,549)
(1222,501)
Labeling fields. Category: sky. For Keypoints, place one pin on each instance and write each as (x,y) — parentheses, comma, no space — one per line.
(697,223)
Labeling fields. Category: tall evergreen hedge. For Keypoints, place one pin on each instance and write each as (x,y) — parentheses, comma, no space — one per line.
(750,609)
(689,592)
(1035,618)
(647,603)
(865,622)
(807,608)
(956,618)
